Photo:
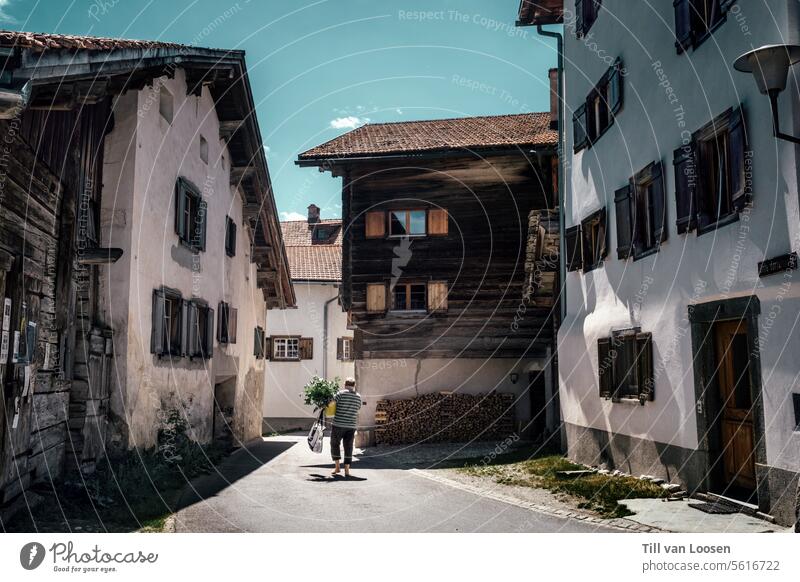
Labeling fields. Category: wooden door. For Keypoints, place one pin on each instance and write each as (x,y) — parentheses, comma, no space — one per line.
(737,434)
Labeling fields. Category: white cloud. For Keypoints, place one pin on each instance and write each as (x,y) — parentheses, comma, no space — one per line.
(5,16)
(349,122)
(285,216)
(267,151)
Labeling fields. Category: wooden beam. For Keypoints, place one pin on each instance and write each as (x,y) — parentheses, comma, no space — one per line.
(238,173)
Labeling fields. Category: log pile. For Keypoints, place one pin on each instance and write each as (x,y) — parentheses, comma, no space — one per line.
(445,417)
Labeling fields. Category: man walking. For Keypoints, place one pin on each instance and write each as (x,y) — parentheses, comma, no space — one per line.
(345,421)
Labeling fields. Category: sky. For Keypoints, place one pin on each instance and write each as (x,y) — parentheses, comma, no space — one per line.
(319,68)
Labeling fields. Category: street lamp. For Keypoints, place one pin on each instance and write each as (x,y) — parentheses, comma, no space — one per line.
(769,65)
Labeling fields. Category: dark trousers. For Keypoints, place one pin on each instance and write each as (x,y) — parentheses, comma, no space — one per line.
(338,435)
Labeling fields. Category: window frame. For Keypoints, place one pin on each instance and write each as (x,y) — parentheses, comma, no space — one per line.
(597,224)
(686,19)
(629,350)
(278,340)
(586,14)
(408,285)
(185,217)
(226,315)
(408,212)
(606,98)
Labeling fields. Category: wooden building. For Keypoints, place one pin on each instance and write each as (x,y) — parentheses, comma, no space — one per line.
(439,218)
(57,106)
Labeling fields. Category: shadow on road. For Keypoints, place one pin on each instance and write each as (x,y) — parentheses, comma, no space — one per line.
(240,464)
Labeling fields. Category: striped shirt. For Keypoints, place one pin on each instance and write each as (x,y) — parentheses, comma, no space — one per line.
(347,407)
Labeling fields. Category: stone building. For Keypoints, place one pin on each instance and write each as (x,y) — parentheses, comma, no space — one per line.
(677,351)
(105,138)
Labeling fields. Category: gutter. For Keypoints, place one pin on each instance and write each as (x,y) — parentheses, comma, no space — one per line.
(325,333)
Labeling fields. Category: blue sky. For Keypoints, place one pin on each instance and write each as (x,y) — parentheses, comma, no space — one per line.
(320,67)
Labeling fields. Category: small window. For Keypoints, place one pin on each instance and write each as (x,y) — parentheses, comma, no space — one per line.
(168,323)
(641,213)
(200,329)
(409,297)
(285,348)
(190,216)
(695,20)
(344,349)
(593,233)
(204,149)
(585,14)
(407,222)
(625,366)
(712,182)
(322,233)
(165,103)
(230,237)
(226,326)
(596,115)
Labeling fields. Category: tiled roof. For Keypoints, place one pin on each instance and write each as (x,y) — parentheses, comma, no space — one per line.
(496,131)
(311,260)
(42,41)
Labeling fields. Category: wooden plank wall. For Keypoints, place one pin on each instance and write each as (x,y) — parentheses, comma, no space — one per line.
(482,257)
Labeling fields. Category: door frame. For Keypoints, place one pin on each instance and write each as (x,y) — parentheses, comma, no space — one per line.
(702,318)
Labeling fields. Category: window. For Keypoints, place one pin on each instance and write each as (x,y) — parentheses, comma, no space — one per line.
(168,323)
(593,117)
(190,216)
(344,349)
(641,213)
(695,20)
(230,237)
(409,297)
(226,326)
(292,348)
(322,233)
(165,103)
(711,176)
(586,245)
(285,348)
(593,235)
(204,149)
(625,366)
(585,14)
(407,222)
(200,330)
(259,343)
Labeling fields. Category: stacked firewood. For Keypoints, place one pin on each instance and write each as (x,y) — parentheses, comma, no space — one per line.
(445,417)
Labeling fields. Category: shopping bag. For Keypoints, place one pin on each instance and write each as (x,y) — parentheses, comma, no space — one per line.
(315,435)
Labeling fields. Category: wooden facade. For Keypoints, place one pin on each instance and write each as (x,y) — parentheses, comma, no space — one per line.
(470,263)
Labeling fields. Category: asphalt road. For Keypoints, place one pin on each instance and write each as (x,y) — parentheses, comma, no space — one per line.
(279,485)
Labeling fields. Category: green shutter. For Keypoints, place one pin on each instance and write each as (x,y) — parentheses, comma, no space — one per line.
(574,248)
(180,210)
(683,24)
(741,187)
(208,339)
(644,365)
(685,164)
(157,332)
(605,367)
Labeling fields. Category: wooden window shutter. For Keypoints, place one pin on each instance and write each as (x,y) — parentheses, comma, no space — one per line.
(725,5)
(180,210)
(437,221)
(580,137)
(208,340)
(437,296)
(624,218)
(685,163)
(659,202)
(741,190)
(644,365)
(574,244)
(267,346)
(306,348)
(157,333)
(579,18)
(190,341)
(683,24)
(222,323)
(376,224)
(615,87)
(340,348)
(601,244)
(258,343)
(376,297)
(233,320)
(203,218)
(605,367)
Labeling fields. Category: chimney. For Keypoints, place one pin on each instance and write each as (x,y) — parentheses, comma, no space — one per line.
(313,214)
(553,74)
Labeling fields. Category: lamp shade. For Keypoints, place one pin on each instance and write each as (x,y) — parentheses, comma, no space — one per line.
(769,65)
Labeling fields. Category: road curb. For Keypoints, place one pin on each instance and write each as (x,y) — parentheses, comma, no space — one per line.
(621,524)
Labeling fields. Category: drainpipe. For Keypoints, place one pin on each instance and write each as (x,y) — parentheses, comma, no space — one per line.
(325,334)
(562,270)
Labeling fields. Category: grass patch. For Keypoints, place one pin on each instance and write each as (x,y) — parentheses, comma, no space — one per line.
(595,492)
